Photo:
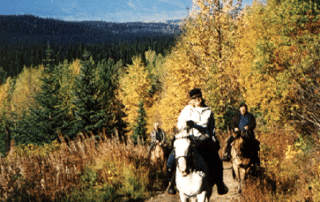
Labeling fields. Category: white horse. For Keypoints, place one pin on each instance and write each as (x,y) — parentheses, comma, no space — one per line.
(192,171)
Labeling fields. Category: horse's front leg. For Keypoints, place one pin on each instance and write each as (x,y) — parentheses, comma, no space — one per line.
(202,197)
(236,170)
(183,197)
(242,173)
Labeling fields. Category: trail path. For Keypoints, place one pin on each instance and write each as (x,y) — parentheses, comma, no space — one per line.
(232,195)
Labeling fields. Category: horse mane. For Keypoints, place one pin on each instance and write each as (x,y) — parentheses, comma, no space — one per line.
(182,134)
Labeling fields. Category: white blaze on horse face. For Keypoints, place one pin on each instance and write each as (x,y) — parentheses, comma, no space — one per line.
(181,152)
(182,165)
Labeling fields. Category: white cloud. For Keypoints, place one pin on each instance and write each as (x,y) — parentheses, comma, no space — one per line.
(130,3)
(132,16)
(66,10)
(178,3)
(73,5)
(69,8)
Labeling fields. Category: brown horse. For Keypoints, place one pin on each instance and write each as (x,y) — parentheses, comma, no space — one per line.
(158,157)
(241,158)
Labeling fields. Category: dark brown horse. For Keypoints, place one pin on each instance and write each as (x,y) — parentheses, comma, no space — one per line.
(241,158)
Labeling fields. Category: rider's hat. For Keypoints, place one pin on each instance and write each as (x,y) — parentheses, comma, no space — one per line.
(195,91)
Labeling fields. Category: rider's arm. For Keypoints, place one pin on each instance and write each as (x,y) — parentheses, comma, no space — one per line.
(252,123)
(163,135)
(183,118)
(153,137)
(211,126)
(234,122)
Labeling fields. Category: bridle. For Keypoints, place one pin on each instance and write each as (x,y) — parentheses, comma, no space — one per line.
(239,135)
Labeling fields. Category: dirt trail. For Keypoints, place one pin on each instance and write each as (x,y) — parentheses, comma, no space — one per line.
(232,195)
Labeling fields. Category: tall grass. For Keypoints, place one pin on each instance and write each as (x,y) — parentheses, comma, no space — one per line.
(79,170)
(289,167)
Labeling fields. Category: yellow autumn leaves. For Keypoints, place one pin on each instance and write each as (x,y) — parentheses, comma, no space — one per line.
(233,57)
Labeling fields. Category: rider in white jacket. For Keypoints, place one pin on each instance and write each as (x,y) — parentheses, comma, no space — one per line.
(200,121)
(197,119)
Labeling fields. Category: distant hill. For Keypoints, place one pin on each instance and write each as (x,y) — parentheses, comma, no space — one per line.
(22,29)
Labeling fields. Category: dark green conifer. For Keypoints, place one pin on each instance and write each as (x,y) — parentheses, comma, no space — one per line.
(44,120)
(94,96)
(140,130)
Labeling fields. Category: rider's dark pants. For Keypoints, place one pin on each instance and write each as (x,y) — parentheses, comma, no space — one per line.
(211,156)
(171,163)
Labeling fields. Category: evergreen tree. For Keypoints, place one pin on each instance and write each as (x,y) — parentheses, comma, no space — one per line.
(3,76)
(140,130)
(44,120)
(93,96)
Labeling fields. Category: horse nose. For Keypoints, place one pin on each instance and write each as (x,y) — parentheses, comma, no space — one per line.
(184,173)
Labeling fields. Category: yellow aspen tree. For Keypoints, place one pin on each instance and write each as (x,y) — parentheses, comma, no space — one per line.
(154,65)
(273,37)
(135,87)
(203,58)
(27,86)
(5,101)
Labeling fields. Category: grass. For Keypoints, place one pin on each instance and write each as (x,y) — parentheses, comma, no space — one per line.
(80,170)
(290,168)
(109,170)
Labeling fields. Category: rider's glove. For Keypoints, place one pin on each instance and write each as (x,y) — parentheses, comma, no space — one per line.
(190,124)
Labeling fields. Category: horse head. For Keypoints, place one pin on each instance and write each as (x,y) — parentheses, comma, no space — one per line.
(240,157)
(183,153)
(240,143)
(240,140)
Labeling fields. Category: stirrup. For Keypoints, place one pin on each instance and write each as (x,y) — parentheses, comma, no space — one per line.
(171,189)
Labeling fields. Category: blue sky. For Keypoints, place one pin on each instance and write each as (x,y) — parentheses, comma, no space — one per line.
(106,10)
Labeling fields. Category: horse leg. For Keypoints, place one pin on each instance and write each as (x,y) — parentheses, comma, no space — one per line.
(202,197)
(242,172)
(183,197)
(237,173)
(152,160)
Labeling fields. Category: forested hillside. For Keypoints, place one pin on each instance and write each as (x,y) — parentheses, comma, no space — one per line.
(266,55)
(23,40)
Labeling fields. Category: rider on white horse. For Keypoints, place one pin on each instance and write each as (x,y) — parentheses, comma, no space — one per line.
(198,119)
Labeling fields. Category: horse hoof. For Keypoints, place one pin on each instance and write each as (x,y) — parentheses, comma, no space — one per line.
(172,191)
(222,189)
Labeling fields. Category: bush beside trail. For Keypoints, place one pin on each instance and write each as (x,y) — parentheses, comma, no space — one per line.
(83,169)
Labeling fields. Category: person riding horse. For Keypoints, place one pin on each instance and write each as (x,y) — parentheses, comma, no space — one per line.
(157,136)
(244,121)
(197,119)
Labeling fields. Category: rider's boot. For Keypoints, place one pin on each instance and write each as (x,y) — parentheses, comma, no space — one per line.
(256,159)
(227,151)
(218,175)
(172,182)
(171,173)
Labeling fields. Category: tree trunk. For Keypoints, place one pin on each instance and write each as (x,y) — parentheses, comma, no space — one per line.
(7,139)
